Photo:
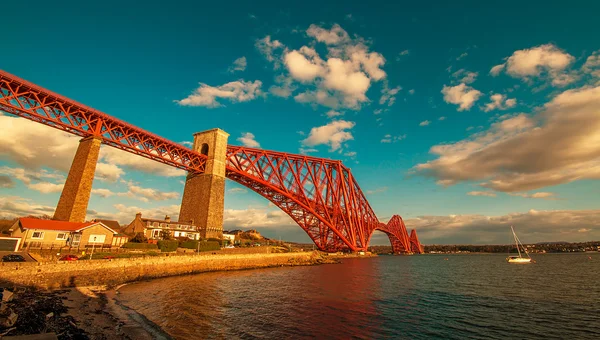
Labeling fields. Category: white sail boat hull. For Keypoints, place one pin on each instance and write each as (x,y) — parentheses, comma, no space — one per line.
(518,260)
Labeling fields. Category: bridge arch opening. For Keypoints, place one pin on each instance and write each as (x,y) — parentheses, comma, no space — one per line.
(204,149)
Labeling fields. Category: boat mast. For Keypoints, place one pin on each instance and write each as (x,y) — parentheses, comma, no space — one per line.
(516,242)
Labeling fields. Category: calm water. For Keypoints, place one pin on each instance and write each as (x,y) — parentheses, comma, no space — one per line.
(403,297)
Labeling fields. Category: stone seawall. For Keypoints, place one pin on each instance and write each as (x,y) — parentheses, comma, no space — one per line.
(118,271)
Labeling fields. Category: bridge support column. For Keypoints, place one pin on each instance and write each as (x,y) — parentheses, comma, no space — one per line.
(204,194)
(73,202)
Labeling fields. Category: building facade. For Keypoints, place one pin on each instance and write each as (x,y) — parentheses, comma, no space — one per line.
(38,233)
(155,229)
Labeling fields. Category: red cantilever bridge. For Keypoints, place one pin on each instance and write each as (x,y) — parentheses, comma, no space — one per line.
(320,195)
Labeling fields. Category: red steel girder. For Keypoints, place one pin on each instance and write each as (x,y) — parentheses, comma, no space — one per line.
(320,195)
(415,245)
(398,235)
(22,98)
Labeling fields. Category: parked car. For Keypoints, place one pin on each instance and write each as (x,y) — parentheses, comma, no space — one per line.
(69,258)
(13,258)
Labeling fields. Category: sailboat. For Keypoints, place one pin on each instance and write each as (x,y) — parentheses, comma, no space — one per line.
(520,258)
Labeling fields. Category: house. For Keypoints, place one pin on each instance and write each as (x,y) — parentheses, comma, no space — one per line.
(229,238)
(118,239)
(38,233)
(152,228)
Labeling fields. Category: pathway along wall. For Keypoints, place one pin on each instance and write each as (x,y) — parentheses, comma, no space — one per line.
(118,271)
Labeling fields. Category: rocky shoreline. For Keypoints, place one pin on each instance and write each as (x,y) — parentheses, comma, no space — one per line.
(91,312)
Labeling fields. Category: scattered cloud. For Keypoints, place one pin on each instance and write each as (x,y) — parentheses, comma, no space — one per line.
(464,76)
(147,194)
(268,48)
(235,92)
(6,182)
(284,87)
(333,134)
(538,62)
(482,193)
(442,118)
(463,55)
(411,91)
(462,95)
(306,151)
(238,65)
(247,139)
(350,154)
(389,95)
(332,113)
(499,102)
(424,123)
(533,226)
(104,193)
(542,195)
(238,190)
(559,144)
(376,191)
(335,36)
(392,139)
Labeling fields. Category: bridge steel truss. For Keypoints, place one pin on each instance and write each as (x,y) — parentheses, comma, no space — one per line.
(320,195)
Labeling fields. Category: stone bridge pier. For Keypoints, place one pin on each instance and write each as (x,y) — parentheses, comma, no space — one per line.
(203,195)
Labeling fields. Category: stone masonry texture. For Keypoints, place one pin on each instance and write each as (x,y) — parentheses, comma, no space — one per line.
(118,271)
(204,194)
(73,202)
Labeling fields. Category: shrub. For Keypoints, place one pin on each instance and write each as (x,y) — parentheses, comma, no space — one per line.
(209,246)
(189,244)
(212,239)
(133,245)
(168,245)
(152,253)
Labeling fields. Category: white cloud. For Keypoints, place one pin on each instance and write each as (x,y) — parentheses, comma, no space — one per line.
(389,95)
(559,144)
(464,76)
(14,206)
(499,102)
(270,217)
(442,118)
(376,191)
(336,35)
(333,134)
(482,193)
(113,156)
(268,47)
(411,91)
(424,123)
(247,139)
(542,195)
(38,180)
(46,187)
(544,60)
(235,91)
(340,79)
(462,95)
(496,70)
(392,139)
(306,151)
(104,193)
(304,65)
(462,56)
(350,154)
(238,190)
(284,87)
(532,226)
(148,194)
(332,113)
(238,65)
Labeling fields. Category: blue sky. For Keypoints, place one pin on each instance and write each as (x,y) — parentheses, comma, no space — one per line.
(422,74)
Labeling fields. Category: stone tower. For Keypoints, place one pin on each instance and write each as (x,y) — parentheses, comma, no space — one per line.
(73,202)
(204,194)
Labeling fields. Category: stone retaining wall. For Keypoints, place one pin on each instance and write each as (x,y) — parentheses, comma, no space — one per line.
(118,271)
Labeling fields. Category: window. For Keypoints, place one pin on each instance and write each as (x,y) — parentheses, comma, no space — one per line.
(155,233)
(62,236)
(96,238)
(184,227)
(204,149)
(38,234)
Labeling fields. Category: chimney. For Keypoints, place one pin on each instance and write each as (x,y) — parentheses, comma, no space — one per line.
(167,218)
(138,216)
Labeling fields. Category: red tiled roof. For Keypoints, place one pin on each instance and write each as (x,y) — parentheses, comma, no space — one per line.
(35,223)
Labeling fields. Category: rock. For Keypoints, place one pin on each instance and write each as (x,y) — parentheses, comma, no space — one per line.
(8,319)
(49,315)
(7,296)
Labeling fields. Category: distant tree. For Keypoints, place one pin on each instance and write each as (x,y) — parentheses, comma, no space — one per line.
(139,238)
(165,235)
